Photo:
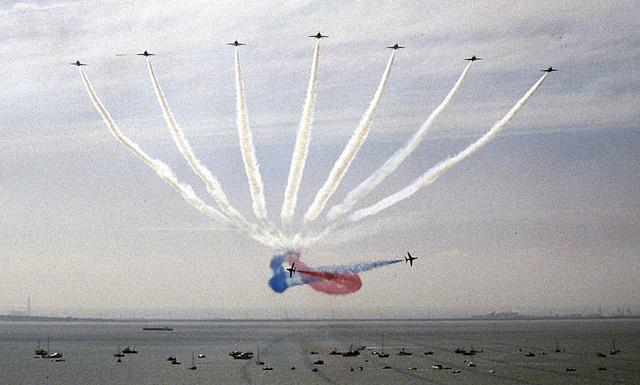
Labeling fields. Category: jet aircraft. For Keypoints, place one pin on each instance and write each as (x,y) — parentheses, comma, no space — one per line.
(409,259)
(473,58)
(318,35)
(396,46)
(550,69)
(235,43)
(291,270)
(145,54)
(77,63)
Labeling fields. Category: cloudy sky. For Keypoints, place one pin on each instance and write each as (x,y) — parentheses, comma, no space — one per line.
(543,219)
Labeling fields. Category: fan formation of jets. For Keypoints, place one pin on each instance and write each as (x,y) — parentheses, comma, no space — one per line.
(408,259)
(316,36)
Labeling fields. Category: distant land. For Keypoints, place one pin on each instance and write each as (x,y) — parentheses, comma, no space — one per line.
(501,316)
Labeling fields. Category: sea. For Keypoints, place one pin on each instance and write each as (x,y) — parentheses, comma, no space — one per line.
(505,352)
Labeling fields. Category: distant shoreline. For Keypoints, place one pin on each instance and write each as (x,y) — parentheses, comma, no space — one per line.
(23,318)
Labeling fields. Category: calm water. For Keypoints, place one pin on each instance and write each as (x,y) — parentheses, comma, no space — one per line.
(89,347)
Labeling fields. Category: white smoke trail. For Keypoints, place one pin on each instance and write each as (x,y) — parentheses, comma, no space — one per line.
(210,181)
(396,159)
(301,148)
(436,171)
(248,151)
(308,240)
(158,166)
(349,153)
(163,171)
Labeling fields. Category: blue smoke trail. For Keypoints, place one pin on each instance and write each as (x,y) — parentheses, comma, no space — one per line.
(280,280)
(355,268)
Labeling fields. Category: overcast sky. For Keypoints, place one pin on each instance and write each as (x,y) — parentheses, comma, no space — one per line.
(545,218)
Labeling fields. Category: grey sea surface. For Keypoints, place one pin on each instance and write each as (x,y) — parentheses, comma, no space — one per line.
(88,350)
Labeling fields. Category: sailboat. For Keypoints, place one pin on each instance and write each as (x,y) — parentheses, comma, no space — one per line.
(259,362)
(351,352)
(129,350)
(557,347)
(382,354)
(39,351)
(119,353)
(193,362)
(614,350)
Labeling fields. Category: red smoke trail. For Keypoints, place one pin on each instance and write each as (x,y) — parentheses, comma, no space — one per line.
(326,282)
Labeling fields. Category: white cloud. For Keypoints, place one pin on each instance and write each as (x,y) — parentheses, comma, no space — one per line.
(34,7)
(61,161)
